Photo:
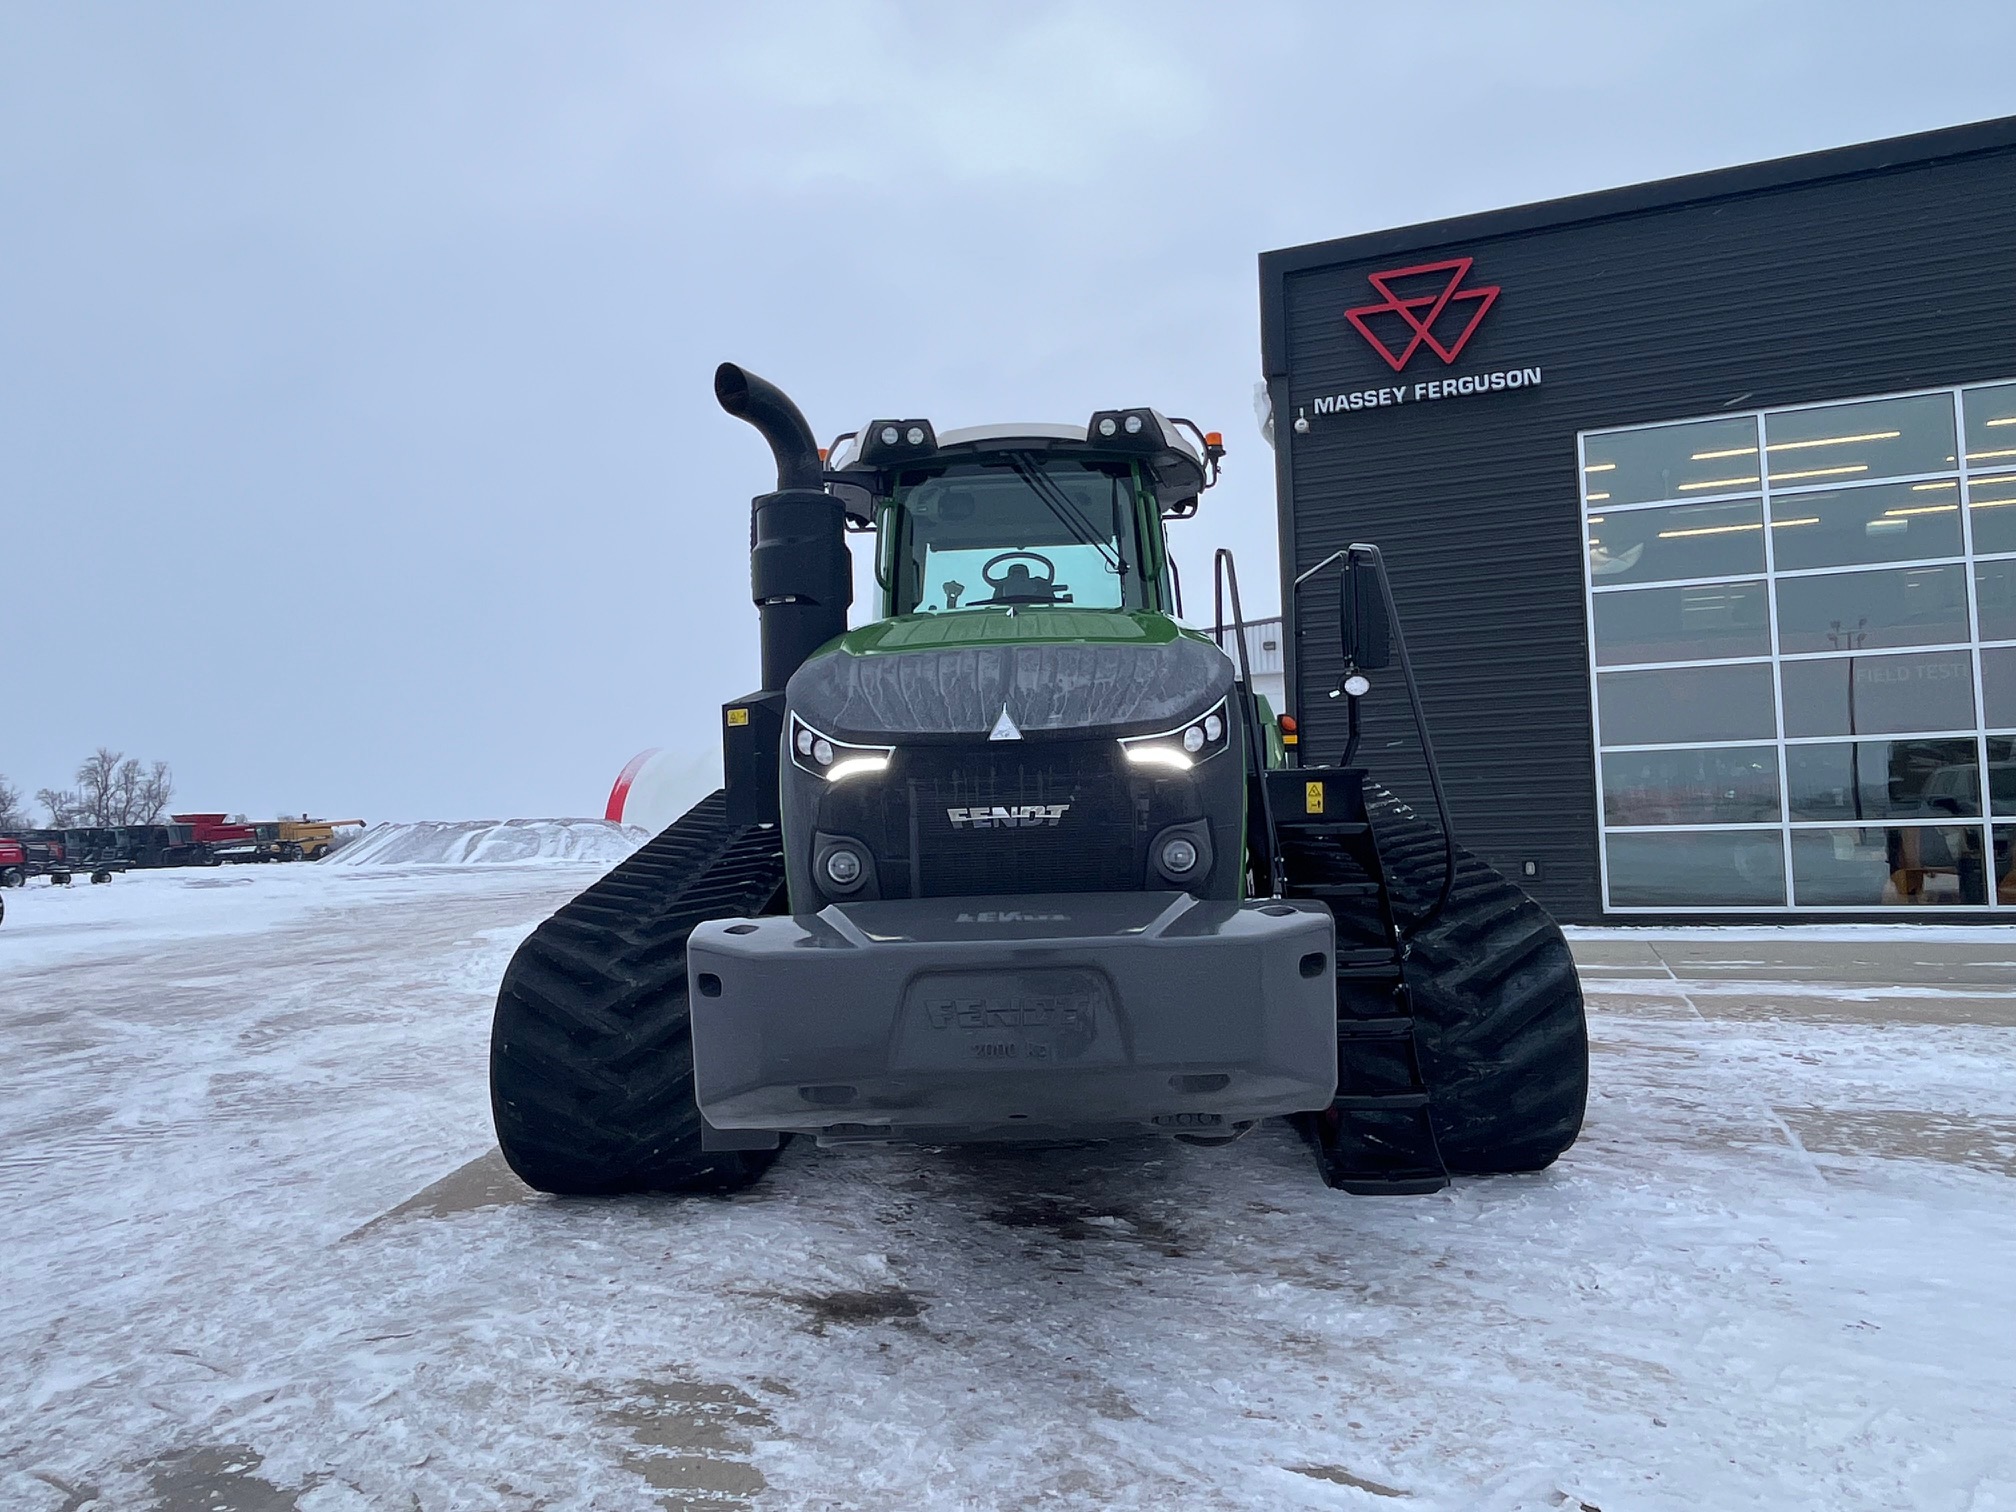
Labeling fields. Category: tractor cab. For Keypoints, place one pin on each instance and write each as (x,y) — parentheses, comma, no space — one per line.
(1024,517)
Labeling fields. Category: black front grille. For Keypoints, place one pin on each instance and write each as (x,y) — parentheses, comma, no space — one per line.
(1037,819)
(1003,817)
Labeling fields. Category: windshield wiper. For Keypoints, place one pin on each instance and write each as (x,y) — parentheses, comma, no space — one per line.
(1068,514)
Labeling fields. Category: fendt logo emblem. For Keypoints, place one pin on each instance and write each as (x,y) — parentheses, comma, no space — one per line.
(1064,1011)
(1022,816)
(1422,312)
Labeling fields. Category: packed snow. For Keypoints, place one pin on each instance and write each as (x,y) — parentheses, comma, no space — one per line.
(491,842)
(261,1254)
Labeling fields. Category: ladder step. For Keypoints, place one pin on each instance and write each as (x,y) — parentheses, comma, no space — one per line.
(1379,1102)
(1336,889)
(1407,1184)
(1373,1028)
(1383,971)
(1321,829)
(1365,955)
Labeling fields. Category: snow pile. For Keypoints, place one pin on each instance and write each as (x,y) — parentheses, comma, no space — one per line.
(491,842)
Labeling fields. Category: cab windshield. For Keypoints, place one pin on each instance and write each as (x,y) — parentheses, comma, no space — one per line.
(1016,530)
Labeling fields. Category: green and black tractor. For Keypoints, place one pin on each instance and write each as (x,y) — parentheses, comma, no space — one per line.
(1025,858)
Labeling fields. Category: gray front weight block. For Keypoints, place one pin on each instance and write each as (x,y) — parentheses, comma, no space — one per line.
(963,1018)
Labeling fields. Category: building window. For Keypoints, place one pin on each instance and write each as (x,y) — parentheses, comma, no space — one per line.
(1802,651)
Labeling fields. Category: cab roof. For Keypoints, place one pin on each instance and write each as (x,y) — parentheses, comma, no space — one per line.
(1176,467)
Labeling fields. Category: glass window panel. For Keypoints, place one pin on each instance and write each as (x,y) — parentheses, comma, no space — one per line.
(1694,705)
(1884,779)
(1925,864)
(1722,868)
(1887,522)
(2005,864)
(2001,775)
(1732,785)
(1995,599)
(1991,425)
(1998,687)
(1881,695)
(1698,623)
(1991,511)
(1686,541)
(1877,438)
(1848,611)
(1670,461)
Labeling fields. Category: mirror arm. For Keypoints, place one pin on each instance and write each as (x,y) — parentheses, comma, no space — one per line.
(1335,556)
(1350,731)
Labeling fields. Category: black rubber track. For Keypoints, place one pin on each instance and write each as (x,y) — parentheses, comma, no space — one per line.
(591,1053)
(1497,1004)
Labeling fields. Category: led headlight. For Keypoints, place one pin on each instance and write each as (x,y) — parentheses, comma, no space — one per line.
(834,760)
(1183,747)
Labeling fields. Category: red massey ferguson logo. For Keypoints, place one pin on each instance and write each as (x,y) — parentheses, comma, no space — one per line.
(1419,303)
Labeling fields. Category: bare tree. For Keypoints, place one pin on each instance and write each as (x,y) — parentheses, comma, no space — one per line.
(156,791)
(12,815)
(114,789)
(97,786)
(64,808)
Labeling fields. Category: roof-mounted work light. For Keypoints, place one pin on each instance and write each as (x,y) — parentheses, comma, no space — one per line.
(891,442)
(1127,430)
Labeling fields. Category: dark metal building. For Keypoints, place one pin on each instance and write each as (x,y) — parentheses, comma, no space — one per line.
(1699,499)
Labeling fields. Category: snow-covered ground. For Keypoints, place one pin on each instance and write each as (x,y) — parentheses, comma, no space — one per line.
(491,842)
(258,1254)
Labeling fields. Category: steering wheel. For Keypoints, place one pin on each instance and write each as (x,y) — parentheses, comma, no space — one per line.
(1018,585)
(1045,584)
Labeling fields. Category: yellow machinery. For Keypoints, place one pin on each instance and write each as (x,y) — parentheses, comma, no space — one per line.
(313,836)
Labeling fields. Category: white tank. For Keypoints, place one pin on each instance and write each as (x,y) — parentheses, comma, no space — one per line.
(659,785)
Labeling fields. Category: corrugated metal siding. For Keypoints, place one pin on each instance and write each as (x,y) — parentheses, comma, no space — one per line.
(1811,292)
(1264,657)
(1263,646)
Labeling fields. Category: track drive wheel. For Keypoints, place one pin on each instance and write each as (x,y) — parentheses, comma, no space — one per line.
(1496,1001)
(591,1053)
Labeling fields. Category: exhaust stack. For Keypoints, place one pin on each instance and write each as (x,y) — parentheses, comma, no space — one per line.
(777,420)
(800,577)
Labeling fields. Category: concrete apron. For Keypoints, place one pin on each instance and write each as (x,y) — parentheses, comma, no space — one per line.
(1902,982)
(693,1438)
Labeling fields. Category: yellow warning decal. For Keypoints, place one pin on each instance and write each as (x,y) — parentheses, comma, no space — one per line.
(738,716)
(1312,797)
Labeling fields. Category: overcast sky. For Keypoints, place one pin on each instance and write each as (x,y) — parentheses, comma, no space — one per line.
(357,446)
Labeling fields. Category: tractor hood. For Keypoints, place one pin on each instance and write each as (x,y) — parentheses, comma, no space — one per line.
(993,627)
(1060,671)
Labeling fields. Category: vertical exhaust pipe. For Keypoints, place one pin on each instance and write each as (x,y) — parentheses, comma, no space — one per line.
(800,577)
(777,420)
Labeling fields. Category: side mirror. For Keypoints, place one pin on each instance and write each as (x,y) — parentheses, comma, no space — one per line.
(1367,638)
